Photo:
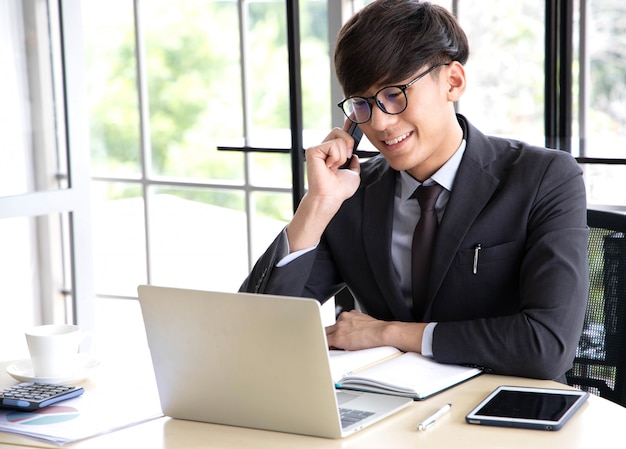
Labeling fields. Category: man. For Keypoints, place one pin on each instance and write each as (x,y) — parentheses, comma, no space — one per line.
(507,282)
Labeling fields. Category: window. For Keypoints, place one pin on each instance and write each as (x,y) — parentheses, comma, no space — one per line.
(43,175)
(169,82)
(508,74)
(505,69)
(601,118)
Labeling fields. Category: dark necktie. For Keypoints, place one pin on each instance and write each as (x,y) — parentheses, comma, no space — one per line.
(422,246)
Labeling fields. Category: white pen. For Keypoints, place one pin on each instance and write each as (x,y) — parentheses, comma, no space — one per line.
(428,422)
(477,249)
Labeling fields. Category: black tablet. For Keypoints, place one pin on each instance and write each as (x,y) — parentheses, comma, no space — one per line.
(527,407)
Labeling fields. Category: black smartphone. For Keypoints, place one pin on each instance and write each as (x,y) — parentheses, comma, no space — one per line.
(356,133)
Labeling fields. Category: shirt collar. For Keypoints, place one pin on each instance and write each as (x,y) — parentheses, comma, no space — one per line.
(444,176)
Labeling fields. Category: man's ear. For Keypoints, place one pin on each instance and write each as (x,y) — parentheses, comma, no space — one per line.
(456,81)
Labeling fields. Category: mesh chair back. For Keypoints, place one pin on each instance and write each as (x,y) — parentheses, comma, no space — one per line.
(600,363)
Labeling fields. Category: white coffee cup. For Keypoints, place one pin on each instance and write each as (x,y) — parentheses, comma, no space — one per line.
(54,349)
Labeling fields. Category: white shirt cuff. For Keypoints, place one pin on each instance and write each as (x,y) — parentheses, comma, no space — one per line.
(292,256)
(427,340)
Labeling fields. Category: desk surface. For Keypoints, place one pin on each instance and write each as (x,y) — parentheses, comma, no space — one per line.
(598,420)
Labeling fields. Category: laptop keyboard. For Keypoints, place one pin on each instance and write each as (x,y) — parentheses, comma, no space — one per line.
(349,416)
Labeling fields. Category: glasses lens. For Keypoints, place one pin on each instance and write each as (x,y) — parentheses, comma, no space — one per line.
(357,109)
(392,100)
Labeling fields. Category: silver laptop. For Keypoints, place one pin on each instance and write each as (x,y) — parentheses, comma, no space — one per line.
(247,360)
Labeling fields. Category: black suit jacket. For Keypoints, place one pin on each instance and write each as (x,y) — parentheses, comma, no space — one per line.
(521,313)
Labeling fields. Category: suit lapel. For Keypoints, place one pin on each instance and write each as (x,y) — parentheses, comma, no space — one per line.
(377,225)
(473,187)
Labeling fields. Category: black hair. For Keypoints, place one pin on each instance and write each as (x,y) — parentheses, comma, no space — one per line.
(390,40)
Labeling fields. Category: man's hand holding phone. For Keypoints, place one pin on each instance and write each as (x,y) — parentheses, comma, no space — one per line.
(336,152)
(328,187)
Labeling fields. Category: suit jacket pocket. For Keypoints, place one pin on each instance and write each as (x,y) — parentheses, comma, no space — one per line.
(487,255)
(493,290)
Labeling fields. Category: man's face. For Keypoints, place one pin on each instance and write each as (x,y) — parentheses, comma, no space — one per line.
(422,138)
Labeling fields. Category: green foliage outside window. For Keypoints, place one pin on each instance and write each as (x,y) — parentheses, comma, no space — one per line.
(192,61)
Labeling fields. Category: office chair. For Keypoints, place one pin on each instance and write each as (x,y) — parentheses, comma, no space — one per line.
(600,362)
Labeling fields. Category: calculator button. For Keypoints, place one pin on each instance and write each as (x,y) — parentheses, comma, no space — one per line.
(15,402)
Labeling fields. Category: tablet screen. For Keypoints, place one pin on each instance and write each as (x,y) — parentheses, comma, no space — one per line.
(527,407)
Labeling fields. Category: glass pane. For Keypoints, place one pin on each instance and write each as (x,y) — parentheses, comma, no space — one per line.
(198,238)
(315,67)
(31,253)
(194,87)
(30,159)
(270,169)
(120,330)
(605,184)
(267,61)
(505,70)
(119,250)
(112,87)
(270,214)
(605,133)
(17,258)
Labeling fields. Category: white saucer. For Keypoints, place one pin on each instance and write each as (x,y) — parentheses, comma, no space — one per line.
(23,371)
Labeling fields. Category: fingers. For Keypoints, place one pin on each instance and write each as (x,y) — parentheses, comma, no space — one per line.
(350,331)
(328,181)
(335,150)
(338,145)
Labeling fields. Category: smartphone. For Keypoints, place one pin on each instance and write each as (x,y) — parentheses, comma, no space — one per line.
(356,133)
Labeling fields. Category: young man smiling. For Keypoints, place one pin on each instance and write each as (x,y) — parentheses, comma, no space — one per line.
(507,282)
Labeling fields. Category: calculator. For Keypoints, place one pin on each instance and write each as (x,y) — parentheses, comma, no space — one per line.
(30,396)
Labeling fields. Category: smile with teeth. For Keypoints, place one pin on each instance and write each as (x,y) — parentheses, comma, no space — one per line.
(397,139)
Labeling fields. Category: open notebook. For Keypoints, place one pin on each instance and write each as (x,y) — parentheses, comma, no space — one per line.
(250,360)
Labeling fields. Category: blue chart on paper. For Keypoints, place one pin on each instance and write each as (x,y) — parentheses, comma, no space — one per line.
(49,415)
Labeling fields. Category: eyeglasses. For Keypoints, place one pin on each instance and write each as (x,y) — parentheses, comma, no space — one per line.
(391,100)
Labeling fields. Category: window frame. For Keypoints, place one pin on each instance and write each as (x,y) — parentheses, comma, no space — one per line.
(72,201)
(558,12)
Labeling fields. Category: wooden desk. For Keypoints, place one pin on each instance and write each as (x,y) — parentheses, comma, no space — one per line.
(598,420)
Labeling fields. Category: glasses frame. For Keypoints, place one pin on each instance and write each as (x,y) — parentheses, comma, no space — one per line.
(373,99)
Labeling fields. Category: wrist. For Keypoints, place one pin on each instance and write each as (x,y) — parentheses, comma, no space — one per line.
(309,222)
(405,336)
